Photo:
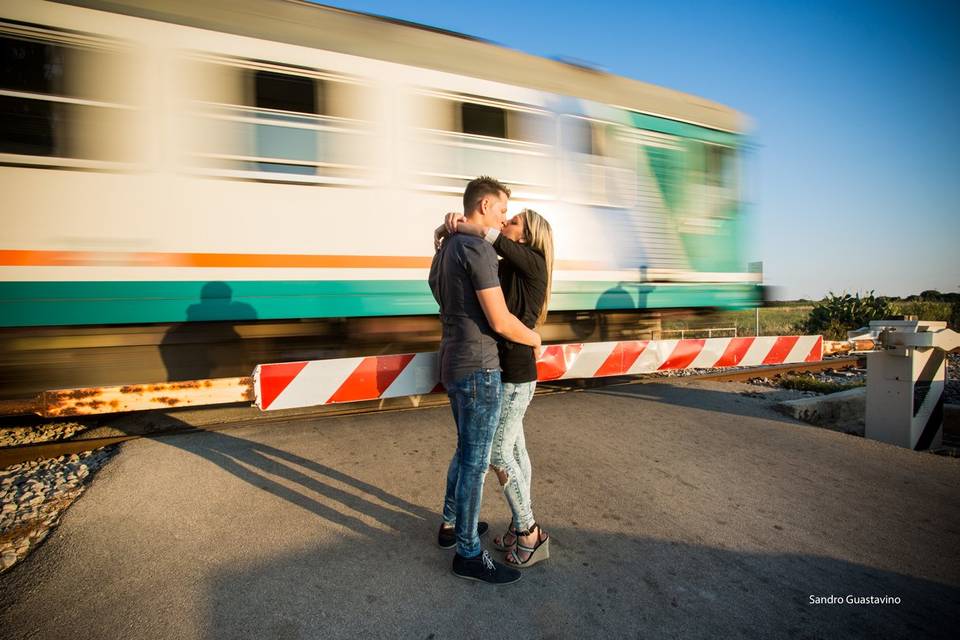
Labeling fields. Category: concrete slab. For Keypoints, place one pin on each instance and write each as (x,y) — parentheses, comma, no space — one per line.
(843,410)
(685,510)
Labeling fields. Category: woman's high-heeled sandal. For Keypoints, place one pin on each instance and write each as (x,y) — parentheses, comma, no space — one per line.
(535,554)
(500,542)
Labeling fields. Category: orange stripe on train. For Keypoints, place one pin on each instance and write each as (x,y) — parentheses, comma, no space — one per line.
(22,258)
(30,258)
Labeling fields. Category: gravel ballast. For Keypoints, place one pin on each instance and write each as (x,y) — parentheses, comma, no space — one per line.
(34,496)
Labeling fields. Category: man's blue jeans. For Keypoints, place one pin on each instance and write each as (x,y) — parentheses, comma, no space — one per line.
(475,401)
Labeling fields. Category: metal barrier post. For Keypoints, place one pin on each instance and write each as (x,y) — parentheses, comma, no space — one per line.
(905,381)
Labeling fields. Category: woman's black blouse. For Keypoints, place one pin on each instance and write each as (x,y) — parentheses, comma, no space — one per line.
(523,278)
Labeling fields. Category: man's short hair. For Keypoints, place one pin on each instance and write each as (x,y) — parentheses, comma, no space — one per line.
(479,188)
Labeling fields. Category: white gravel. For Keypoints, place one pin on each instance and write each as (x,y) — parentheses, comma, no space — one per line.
(34,433)
(34,496)
(846,377)
(951,395)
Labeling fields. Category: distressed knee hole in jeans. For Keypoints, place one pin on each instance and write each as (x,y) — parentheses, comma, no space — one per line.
(502,475)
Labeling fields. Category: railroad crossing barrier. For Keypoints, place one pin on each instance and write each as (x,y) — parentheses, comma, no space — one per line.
(906,378)
(304,384)
(320,382)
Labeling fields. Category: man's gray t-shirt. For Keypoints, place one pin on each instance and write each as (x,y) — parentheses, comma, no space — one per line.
(464,265)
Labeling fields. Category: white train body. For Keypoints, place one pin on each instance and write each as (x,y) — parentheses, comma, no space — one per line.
(308,181)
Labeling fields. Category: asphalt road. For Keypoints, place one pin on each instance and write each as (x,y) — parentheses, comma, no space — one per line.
(677,511)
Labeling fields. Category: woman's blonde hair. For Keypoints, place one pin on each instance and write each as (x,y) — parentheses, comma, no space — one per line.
(539,237)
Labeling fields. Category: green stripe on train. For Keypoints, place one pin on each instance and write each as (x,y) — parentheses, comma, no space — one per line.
(24,304)
(684,130)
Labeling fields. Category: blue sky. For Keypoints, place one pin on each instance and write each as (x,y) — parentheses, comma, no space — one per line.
(854,181)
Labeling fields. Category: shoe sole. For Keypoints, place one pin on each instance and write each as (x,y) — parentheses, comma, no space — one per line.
(542,553)
(485,581)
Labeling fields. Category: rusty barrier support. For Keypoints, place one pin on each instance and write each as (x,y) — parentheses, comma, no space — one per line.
(134,397)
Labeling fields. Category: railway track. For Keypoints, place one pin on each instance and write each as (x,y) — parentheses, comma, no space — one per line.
(168,424)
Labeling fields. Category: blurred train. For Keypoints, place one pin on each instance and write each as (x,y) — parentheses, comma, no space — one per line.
(190,188)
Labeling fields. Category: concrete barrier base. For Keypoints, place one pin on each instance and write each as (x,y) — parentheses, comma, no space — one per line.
(844,410)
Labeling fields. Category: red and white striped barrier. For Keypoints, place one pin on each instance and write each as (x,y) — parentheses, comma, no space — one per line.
(318,382)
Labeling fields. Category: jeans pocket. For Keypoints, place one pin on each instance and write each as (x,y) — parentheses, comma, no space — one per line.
(467,385)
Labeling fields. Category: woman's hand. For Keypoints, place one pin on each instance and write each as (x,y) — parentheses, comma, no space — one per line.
(439,234)
(457,223)
(452,220)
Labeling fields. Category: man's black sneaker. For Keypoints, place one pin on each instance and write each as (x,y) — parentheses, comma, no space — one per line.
(447,537)
(483,568)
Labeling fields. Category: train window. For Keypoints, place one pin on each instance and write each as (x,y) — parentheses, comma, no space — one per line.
(719,165)
(306,124)
(464,135)
(521,124)
(483,120)
(286,92)
(715,164)
(61,100)
(292,147)
(26,123)
(26,126)
(36,67)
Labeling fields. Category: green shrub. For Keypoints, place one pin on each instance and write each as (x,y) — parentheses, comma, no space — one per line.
(835,315)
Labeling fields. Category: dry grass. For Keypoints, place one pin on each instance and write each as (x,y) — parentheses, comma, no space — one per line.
(774,321)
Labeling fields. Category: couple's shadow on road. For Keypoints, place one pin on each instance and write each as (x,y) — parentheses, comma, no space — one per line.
(296,479)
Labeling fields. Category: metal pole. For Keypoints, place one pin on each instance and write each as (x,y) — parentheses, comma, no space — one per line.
(758,321)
